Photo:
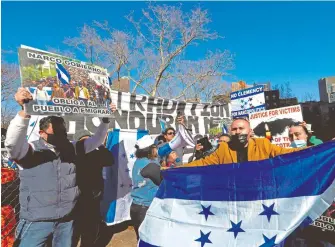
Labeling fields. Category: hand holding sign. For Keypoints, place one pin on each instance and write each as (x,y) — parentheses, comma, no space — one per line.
(112,107)
(23,96)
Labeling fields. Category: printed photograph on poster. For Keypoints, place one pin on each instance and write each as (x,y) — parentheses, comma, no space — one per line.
(247,101)
(63,86)
(274,124)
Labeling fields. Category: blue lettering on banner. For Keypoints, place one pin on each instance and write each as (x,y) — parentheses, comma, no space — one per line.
(237,114)
(247,92)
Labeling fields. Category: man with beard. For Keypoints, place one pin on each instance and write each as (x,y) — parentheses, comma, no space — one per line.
(242,148)
(48,187)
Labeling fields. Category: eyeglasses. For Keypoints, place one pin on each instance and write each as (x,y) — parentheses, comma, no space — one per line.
(171,133)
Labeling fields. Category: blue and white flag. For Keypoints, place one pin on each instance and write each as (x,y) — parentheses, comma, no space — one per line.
(251,204)
(62,74)
(163,124)
(115,205)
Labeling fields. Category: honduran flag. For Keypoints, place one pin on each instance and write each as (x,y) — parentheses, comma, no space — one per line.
(115,205)
(62,74)
(251,204)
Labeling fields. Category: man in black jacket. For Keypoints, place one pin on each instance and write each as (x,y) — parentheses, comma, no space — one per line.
(90,182)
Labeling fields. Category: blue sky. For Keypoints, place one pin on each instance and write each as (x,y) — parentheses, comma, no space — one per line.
(273,41)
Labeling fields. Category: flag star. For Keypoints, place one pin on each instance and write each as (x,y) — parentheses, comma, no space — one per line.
(127,170)
(204,238)
(130,185)
(206,211)
(269,242)
(236,228)
(132,156)
(124,155)
(121,185)
(268,211)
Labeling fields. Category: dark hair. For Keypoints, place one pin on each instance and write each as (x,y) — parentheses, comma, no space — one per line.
(309,135)
(44,122)
(166,130)
(144,152)
(224,134)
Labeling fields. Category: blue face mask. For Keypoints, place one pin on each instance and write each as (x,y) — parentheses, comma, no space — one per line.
(298,144)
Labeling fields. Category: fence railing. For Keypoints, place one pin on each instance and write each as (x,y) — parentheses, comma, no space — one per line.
(10,206)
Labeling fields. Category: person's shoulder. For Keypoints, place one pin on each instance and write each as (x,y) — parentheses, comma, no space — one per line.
(260,141)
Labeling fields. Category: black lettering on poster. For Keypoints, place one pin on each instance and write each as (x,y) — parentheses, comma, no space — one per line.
(138,102)
(166,110)
(136,115)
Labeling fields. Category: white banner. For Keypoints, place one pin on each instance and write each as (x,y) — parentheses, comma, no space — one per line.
(277,121)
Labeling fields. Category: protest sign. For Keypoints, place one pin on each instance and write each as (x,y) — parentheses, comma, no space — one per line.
(276,121)
(63,86)
(247,101)
(136,116)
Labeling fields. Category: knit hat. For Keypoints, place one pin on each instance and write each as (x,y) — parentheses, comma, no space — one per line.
(80,134)
(144,142)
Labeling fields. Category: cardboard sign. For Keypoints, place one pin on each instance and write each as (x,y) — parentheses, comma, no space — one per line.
(63,86)
(277,122)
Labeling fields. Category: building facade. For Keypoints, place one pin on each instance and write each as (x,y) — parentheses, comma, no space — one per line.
(122,85)
(322,117)
(240,85)
(327,89)
(272,100)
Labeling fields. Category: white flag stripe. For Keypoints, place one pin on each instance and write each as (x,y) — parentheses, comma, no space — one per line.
(127,138)
(181,221)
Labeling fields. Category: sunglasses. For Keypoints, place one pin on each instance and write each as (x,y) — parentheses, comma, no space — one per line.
(171,133)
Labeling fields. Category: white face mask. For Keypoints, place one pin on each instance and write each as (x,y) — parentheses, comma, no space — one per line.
(298,144)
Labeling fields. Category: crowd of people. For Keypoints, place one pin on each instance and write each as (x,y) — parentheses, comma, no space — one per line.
(61,181)
(80,87)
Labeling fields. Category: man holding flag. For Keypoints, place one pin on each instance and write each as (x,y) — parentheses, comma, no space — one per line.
(257,203)
(242,148)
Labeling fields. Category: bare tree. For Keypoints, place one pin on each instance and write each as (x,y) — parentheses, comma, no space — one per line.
(153,57)
(168,31)
(62,52)
(201,79)
(9,83)
(308,96)
(86,43)
(111,52)
(285,90)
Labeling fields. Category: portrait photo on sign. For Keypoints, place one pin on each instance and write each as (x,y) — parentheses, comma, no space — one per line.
(63,86)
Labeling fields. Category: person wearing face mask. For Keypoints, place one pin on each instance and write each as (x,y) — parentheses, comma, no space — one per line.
(48,187)
(301,137)
(242,148)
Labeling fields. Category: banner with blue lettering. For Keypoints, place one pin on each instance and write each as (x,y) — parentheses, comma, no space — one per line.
(247,101)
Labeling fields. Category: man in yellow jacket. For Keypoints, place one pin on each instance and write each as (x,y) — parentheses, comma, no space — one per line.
(81,92)
(242,148)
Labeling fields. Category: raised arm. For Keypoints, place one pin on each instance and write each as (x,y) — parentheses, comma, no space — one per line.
(212,159)
(98,138)
(16,142)
(276,150)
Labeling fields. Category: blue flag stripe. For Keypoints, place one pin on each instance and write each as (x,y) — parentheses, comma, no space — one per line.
(112,145)
(281,177)
(60,69)
(145,244)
